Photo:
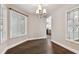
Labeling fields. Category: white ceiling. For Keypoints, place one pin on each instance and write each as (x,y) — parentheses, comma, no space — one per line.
(31,8)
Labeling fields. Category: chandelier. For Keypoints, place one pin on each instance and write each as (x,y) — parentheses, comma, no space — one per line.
(41,11)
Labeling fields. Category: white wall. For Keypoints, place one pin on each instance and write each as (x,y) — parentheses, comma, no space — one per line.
(35,25)
(58,28)
(35,29)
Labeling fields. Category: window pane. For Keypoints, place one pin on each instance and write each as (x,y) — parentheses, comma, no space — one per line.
(70,25)
(3,23)
(76,22)
(73,24)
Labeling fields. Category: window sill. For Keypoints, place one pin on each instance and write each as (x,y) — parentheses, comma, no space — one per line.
(73,41)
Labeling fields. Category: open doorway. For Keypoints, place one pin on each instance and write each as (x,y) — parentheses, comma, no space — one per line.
(48,27)
(48,34)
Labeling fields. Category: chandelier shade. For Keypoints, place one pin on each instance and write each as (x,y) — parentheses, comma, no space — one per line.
(41,11)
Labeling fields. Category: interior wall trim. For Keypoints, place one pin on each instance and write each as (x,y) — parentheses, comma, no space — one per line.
(64,46)
(8,47)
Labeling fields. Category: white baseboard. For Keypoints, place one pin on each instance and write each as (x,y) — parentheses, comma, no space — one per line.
(36,38)
(67,47)
(8,47)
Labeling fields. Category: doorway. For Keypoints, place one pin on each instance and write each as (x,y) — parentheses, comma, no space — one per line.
(48,34)
(48,27)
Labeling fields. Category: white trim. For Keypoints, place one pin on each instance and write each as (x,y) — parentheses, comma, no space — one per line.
(72,8)
(4,51)
(19,43)
(73,41)
(73,50)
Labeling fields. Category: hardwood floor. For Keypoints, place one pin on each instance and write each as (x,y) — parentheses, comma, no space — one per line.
(60,50)
(39,46)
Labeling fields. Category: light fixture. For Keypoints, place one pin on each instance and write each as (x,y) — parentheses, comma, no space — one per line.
(41,11)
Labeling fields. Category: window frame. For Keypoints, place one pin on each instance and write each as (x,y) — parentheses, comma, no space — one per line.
(66,24)
(4,11)
(20,35)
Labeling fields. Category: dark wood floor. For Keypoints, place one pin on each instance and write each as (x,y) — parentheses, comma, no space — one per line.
(38,47)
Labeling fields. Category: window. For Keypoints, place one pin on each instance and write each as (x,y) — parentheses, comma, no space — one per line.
(0,23)
(73,25)
(18,24)
(3,23)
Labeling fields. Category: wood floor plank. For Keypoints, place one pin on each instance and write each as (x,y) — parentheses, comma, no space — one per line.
(37,47)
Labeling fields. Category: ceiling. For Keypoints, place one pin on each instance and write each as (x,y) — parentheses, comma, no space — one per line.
(31,8)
